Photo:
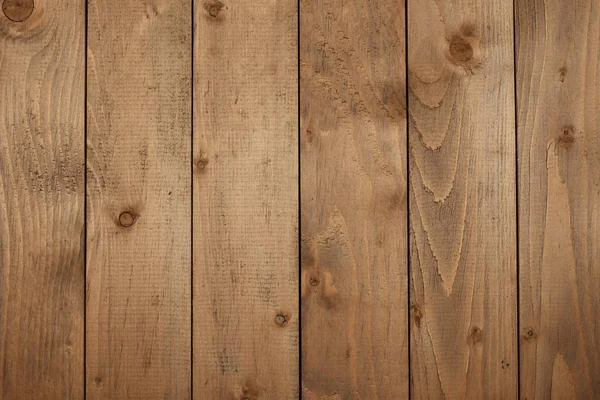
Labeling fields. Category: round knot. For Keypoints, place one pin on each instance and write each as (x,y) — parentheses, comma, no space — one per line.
(17,10)
(213,11)
(126,219)
(460,50)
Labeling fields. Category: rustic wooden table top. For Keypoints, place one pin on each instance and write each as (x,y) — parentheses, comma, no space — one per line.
(317,199)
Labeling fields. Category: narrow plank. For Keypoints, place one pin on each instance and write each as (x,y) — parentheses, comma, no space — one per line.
(42,66)
(139,199)
(245,200)
(558,94)
(462,199)
(354,205)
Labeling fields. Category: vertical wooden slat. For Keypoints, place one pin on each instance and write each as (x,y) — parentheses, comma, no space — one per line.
(462,199)
(558,94)
(245,200)
(42,56)
(354,221)
(139,199)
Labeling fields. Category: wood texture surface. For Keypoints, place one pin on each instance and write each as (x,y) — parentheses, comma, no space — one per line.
(42,67)
(558,93)
(245,200)
(462,199)
(139,200)
(416,228)
(354,236)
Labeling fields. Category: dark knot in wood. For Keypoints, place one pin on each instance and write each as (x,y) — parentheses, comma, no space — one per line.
(17,10)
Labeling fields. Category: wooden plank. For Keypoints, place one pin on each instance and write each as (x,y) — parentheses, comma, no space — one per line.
(462,199)
(245,200)
(42,66)
(354,205)
(558,94)
(139,199)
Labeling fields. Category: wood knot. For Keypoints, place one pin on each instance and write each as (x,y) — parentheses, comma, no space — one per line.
(201,165)
(98,380)
(249,391)
(461,50)
(530,334)
(213,7)
(281,319)
(126,219)
(17,10)
(505,364)
(314,281)
(310,135)
(562,72)
(475,335)
(566,137)
(417,314)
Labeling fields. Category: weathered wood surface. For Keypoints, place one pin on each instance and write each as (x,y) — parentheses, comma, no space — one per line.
(353,208)
(558,94)
(42,67)
(408,237)
(139,199)
(245,200)
(462,199)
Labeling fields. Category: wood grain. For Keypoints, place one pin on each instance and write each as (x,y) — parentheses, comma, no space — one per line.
(353,210)
(139,199)
(245,200)
(558,93)
(42,66)
(462,199)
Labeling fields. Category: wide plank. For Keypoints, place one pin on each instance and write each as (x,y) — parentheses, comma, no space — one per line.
(354,204)
(558,95)
(245,200)
(42,67)
(139,199)
(462,199)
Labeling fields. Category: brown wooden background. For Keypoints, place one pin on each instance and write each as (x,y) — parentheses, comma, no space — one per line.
(326,199)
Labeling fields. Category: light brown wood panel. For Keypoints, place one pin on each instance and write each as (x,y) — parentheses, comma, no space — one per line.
(139,199)
(42,66)
(354,221)
(462,199)
(245,200)
(558,94)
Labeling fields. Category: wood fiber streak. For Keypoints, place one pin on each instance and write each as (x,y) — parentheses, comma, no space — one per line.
(42,66)
(353,211)
(558,93)
(245,200)
(139,200)
(462,199)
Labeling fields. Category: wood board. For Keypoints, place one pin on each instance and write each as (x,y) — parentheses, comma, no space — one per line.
(559,188)
(139,199)
(246,318)
(353,203)
(42,227)
(462,199)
